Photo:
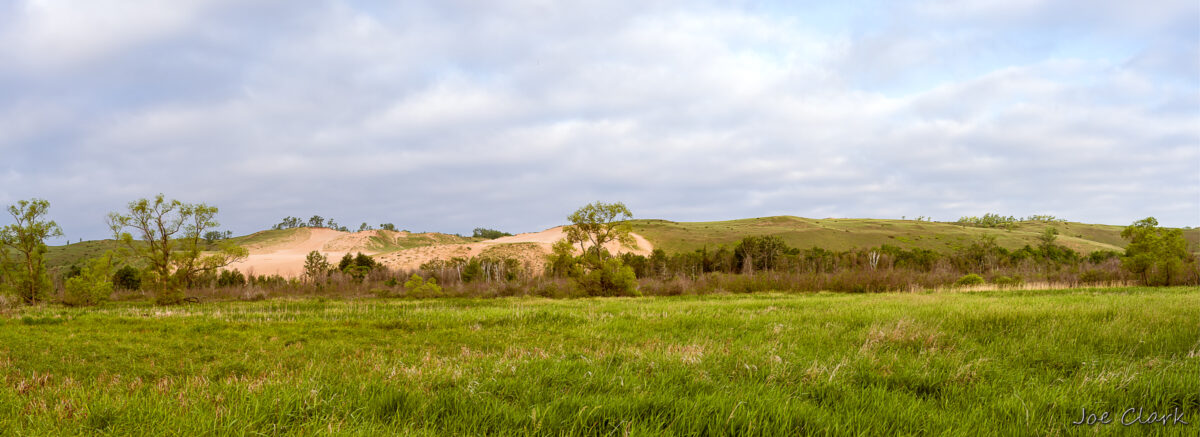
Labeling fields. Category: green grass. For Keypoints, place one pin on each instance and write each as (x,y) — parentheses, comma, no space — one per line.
(66,255)
(989,363)
(386,243)
(846,234)
(270,237)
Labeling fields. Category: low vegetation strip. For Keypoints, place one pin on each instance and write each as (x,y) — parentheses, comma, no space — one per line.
(979,363)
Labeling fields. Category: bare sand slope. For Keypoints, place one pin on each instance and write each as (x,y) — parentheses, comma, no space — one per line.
(530,248)
(286,257)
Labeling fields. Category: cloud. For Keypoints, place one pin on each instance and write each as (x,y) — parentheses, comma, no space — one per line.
(452,115)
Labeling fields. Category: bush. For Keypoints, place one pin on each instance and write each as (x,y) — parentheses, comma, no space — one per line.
(91,286)
(421,287)
(612,278)
(231,278)
(1006,281)
(490,234)
(127,278)
(968,280)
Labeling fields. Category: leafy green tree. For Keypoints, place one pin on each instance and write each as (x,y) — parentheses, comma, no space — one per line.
(490,234)
(170,234)
(316,221)
(1156,254)
(1047,239)
(127,278)
(27,236)
(316,266)
(561,262)
(93,285)
(357,266)
(598,223)
(231,278)
(387,226)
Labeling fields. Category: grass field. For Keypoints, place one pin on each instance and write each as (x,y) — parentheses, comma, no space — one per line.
(846,234)
(986,363)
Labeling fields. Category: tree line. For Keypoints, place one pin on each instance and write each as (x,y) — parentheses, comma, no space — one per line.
(163,245)
(171,249)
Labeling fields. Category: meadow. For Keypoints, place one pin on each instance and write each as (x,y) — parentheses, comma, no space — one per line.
(1002,362)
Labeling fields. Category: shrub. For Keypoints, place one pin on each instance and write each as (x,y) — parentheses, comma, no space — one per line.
(1006,281)
(127,278)
(421,287)
(968,280)
(611,278)
(490,234)
(91,286)
(231,278)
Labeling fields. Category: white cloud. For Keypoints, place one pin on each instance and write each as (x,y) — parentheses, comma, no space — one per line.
(442,116)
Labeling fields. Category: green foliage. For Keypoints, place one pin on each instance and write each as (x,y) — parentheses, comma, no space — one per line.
(1048,237)
(417,286)
(597,223)
(1007,281)
(989,220)
(969,280)
(1101,256)
(1156,254)
(212,237)
(759,252)
(168,294)
(231,278)
(561,261)
(387,227)
(356,266)
(1045,218)
(92,286)
(490,234)
(316,266)
(127,278)
(610,278)
(171,246)
(27,274)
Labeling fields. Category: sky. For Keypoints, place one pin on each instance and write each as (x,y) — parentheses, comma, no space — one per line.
(449,115)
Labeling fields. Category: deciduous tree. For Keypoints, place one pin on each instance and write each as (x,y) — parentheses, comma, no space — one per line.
(171,236)
(1154,250)
(598,223)
(27,236)
(316,266)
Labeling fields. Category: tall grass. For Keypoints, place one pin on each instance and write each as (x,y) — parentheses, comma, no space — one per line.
(972,363)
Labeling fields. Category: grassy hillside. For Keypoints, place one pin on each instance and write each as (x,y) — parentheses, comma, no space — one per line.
(270,237)
(61,256)
(389,241)
(992,363)
(845,234)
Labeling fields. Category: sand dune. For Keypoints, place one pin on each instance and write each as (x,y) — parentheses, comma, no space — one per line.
(286,257)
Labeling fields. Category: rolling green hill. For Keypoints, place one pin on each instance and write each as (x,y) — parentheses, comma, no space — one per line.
(845,234)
